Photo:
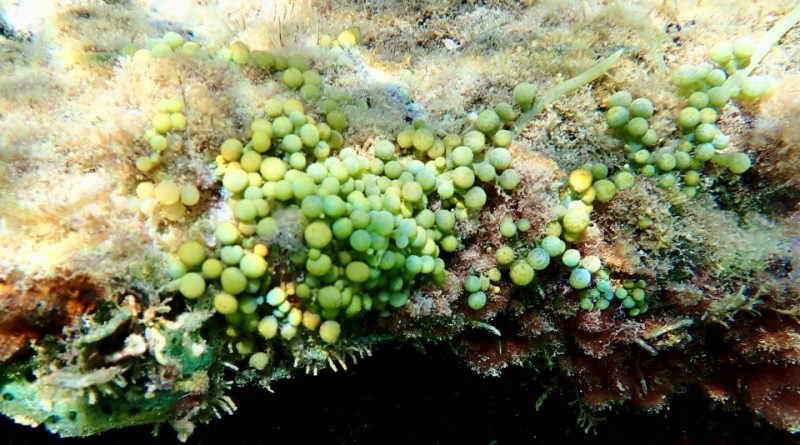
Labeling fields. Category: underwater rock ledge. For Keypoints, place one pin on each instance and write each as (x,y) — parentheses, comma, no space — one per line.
(202,198)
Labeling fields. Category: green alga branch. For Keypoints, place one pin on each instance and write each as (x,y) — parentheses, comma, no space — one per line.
(567,87)
(764,47)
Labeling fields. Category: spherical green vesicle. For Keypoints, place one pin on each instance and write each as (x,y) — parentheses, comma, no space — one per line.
(333,206)
(329,331)
(233,281)
(310,93)
(309,134)
(521,273)
(685,75)
(462,156)
(571,257)
(281,126)
(667,180)
(580,278)
(708,116)
(463,177)
(738,163)
(329,297)
(445,220)
(158,143)
(504,255)
(488,121)
(360,240)
(641,157)
(485,172)
(605,190)
(212,269)
(553,245)
(192,254)
(620,99)
(268,327)
(337,120)
(357,272)
(523,94)
(412,191)
(293,78)
(698,100)
(580,180)
(245,210)
(381,222)
(235,180)
(689,117)
(704,152)
(476,301)
(272,169)
(162,123)
(472,284)
(744,48)
(342,228)
(721,53)
(691,178)
(260,141)
(617,116)
(423,139)
(475,198)
(623,180)
(226,233)
(575,220)
(716,77)
(231,255)
(173,39)
(250,161)
(538,258)
(509,179)
(225,304)
(192,285)
(665,161)
(240,53)
(637,127)
(276,296)
(449,243)
(599,170)
(383,150)
(413,264)
(705,132)
(505,112)
(508,228)
(318,234)
(499,158)
(641,107)
(291,143)
(253,266)
(502,138)
(475,140)
(650,138)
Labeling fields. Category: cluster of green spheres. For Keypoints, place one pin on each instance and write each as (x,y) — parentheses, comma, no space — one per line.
(368,233)
(587,186)
(630,295)
(679,165)
(166,196)
(585,274)
(477,287)
(163,133)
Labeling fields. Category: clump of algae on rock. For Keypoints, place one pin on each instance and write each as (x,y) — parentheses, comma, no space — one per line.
(75,132)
